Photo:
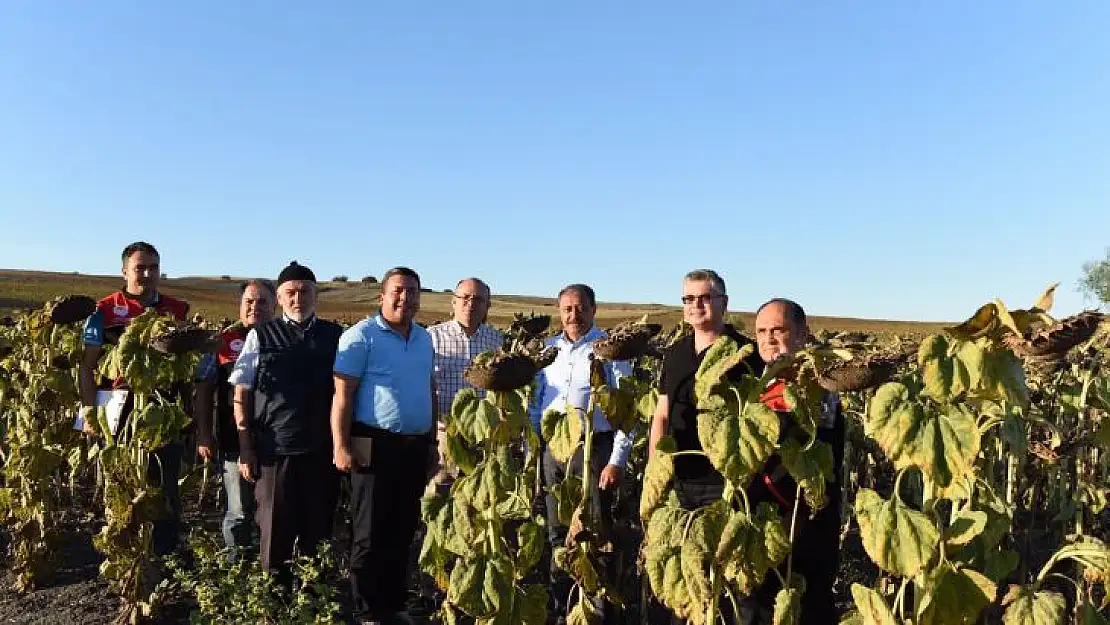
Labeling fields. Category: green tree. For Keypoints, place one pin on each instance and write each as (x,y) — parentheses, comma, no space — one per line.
(1096,279)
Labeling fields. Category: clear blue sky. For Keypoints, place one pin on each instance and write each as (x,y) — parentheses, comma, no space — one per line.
(905,160)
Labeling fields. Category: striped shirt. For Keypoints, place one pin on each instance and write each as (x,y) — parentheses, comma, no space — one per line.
(454,350)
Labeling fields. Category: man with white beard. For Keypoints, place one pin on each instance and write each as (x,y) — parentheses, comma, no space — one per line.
(283,392)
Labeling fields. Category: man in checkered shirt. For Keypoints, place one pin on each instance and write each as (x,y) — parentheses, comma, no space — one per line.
(456,343)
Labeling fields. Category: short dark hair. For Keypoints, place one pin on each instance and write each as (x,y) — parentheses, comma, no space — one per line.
(794,311)
(261,283)
(582,290)
(481,283)
(401,271)
(139,246)
(716,282)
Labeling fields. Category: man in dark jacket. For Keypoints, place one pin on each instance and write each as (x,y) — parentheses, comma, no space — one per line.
(781,330)
(218,437)
(283,391)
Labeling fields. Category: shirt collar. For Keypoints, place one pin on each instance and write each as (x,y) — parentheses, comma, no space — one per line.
(383,324)
(458,328)
(303,327)
(135,298)
(594,334)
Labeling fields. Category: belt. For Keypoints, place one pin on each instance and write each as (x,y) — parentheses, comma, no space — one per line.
(361,429)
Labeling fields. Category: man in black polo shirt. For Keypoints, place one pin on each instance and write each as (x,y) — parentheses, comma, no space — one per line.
(704,305)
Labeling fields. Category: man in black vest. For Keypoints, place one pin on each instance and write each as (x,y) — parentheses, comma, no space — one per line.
(217,440)
(283,391)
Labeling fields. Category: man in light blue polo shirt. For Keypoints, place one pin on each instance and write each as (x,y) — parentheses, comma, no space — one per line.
(384,434)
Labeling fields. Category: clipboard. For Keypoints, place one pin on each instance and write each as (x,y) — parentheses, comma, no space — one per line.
(111,402)
(361,447)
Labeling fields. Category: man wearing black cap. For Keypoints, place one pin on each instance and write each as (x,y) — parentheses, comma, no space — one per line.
(283,391)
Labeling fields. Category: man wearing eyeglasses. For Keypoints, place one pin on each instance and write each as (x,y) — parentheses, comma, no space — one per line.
(456,343)
(704,306)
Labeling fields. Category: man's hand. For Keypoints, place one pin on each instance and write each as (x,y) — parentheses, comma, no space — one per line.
(248,469)
(343,459)
(88,414)
(204,447)
(610,477)
(248,459)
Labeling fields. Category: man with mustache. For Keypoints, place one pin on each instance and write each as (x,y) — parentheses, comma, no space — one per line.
(564,384)
(283,392)
(218,440)
(383,426)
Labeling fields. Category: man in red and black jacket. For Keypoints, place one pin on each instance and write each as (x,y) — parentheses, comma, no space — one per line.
(781,330)
(219,437)
(142,273)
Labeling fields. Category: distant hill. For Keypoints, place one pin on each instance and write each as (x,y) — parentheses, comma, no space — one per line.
(218,297)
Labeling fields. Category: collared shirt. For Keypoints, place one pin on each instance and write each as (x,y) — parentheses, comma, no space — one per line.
(454,350)
(246,367)
(395,375)
(567,382)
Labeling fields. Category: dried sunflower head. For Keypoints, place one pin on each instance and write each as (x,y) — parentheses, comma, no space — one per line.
(1053,342)
(505,371)
(185,340)
(532,325)
(71,309)
(627,341)
(843,377)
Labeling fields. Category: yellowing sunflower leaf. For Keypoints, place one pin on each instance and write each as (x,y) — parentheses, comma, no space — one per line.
(1025,606)
(965,527)
(873,609)
(657,476)
(942,441)
(562,431)
(738,443)
(955,596)
(899,539)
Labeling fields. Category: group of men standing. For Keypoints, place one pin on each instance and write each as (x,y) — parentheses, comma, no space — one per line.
(291,403)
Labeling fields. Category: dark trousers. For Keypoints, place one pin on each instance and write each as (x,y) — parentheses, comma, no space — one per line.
(601,505)
(162,470)
(296,498)
(385,513)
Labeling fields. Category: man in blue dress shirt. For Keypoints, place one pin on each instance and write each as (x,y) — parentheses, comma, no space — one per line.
(566,382)
(384,433)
